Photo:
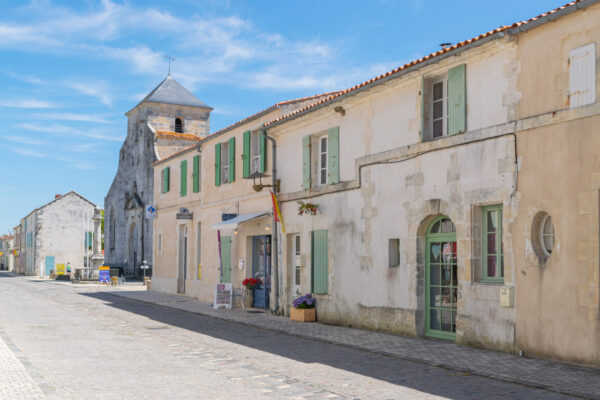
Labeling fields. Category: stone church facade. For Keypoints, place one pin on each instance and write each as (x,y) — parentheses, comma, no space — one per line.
(166,121)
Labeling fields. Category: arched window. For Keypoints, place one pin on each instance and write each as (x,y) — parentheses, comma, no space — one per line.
(112,228)
(178,125)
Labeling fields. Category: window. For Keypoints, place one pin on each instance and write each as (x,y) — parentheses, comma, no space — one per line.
(443,104)
(165,178)
(322,169)
(225,162)
(320,262)
(88,239)
(254,152)
(582,75)
(178,125)
(297,266)
(320,159)
(393,253)
(160,242)
(439,109)
(492,247)
(198,252)
(543,235)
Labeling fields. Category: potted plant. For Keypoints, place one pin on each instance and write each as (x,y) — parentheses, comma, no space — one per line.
(303,309)
(250,284)
(308,208)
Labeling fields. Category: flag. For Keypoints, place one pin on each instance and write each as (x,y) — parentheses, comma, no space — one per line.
(277,211)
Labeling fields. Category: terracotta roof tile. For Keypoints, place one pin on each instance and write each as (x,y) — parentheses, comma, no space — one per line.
(418,61)
(177,136)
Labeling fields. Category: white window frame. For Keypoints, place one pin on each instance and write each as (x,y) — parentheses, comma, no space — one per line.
(444,100)
(297,278)
(543,235)
(255,152)
(224,163)
(323,165)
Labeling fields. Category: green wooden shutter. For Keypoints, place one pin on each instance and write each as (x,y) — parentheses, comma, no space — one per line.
(262,140)
(164,180)
(167,179)
(196,175)
(320,262)
(333,155)
(183,178)
(226,259)
(218,164)
(306,162)
(422,131)
(457,104)
(246,154)
(232,159)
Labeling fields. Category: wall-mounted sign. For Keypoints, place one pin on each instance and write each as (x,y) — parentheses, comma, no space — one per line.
(223,295)
(184,213)
(150,212)
(60,269)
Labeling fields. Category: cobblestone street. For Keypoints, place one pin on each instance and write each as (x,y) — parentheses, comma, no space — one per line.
(77,342)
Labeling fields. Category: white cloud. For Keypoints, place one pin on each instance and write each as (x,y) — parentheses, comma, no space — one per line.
(96,89)
(26,103)
(70,117)
(27,152)
(25,140)
(67,131)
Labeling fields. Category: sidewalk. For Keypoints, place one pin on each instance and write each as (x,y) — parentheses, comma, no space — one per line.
(549,375)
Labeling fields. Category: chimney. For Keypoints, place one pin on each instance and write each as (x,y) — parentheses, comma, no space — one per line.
(56,196)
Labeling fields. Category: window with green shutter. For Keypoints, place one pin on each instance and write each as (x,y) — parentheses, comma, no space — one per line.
(231,159)
(333,155)
(196,174)
(165,179)
(306,173)
(443,104)
(491,245)
(246,158)
(218,164)
(183,178)
(320,262)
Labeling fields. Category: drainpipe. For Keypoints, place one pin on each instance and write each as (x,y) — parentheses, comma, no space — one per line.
(274,247)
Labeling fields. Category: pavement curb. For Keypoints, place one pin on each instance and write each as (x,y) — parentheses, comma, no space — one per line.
(497,377)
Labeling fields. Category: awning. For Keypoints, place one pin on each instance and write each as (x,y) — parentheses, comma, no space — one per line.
(234,222)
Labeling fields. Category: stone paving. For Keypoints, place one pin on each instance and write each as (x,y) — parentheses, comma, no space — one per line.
(90,342)
(555,376)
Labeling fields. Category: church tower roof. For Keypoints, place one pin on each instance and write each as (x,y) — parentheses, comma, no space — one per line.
(169,91)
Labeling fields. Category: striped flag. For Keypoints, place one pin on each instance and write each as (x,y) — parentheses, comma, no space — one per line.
(277,211)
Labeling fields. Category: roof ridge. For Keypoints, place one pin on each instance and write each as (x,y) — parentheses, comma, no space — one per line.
(438,53)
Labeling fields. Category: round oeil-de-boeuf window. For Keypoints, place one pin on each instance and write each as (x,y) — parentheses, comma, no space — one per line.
(543,235)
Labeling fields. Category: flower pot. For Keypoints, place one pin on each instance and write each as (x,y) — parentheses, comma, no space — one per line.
(248,298)
(303,314)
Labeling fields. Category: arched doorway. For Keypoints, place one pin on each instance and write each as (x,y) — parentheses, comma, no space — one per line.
(441,279)
(133,247)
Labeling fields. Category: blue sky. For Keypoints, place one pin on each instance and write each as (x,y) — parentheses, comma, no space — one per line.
(69,70)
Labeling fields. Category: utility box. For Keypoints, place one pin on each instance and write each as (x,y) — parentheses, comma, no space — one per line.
(507,296)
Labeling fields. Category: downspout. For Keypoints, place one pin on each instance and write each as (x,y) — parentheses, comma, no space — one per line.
(274,246)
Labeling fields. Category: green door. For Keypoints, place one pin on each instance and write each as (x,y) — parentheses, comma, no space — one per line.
(226,259)
(441,279)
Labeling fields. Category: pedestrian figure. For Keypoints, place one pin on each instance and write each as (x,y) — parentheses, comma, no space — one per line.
(69,268)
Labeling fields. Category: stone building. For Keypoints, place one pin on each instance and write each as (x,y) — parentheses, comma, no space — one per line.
(166,121)
(56,233)
(7,244)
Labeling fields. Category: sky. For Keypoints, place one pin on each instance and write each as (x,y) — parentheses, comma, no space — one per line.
(69,70)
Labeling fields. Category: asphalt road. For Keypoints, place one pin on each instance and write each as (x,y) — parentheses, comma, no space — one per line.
(66,342)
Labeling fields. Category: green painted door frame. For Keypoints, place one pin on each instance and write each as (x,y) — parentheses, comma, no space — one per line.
(226,258)
(437,285)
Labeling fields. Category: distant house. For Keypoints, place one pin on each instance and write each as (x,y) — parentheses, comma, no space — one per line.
(59,232)
(166,121)
(7,243)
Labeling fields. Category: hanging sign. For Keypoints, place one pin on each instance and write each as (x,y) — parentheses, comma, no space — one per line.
(60,269)
(223,295)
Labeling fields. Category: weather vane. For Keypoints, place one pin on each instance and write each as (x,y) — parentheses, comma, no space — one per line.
(170,59)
